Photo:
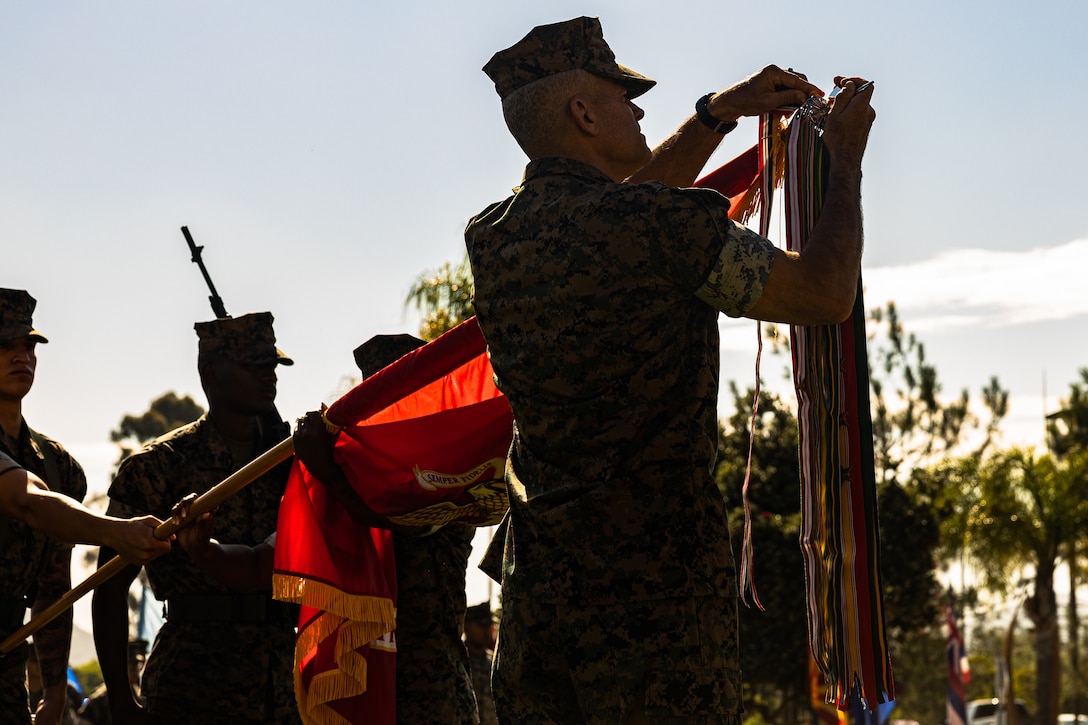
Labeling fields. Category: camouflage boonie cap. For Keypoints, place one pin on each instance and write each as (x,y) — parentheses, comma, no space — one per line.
(382,350)
(16,310)
(560,47)
(247,339)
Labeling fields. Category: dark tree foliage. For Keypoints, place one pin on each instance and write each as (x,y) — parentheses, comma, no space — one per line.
(444,297)
(165,413)
(911,424)
(909,536)
(774,641)
(909,527)
(775,485)
(1067,429)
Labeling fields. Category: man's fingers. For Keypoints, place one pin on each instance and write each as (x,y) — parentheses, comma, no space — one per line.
(785,80)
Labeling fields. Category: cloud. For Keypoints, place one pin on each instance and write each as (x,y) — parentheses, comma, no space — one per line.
(970,288)
(985,288)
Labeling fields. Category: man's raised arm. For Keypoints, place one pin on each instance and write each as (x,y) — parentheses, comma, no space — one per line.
(679,159)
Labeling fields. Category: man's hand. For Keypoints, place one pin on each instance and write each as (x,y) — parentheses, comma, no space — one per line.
(846,130)
(125,710)
(134,539)
(51,707)
(764,91)
(196,537)
(314,446)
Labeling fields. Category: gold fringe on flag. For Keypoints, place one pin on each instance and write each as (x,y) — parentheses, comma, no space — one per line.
(355,621)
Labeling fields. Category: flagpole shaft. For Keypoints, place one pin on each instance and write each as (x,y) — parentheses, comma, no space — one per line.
(207,501)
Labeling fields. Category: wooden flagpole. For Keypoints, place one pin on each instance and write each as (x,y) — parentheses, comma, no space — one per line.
(214,496)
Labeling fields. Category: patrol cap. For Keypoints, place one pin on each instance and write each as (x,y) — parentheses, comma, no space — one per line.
(16,309)
(247,339)
(560,47)
(382,350)
(480,613)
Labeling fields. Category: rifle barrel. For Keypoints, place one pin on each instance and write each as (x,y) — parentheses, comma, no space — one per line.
(216,301)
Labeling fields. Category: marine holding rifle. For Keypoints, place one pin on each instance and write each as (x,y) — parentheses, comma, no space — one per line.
(41,487)
(222,655)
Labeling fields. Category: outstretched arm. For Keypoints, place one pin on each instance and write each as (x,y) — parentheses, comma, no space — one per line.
(679,159)
(25,497)
(238,566)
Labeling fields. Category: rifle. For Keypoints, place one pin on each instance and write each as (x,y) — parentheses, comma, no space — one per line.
(217,301)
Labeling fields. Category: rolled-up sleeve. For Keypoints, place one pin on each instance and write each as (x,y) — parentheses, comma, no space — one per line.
(737,277)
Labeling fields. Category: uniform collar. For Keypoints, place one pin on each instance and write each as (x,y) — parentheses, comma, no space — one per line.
(556,165)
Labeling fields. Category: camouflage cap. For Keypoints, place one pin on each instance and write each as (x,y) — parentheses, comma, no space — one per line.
(480,613)
(560,47)
(16,310)
(382,350)
(247,339)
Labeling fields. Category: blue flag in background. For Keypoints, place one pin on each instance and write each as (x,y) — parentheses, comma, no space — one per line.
(959,672)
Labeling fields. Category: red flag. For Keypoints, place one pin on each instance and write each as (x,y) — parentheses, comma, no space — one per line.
(734,179)
(424,442)
(959,671)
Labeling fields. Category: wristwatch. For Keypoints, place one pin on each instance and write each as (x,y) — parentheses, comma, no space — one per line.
(709,120)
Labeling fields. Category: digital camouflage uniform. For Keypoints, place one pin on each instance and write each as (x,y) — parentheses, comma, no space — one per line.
(31,562)
(219,663)
(433,681)
(480,667)
(617,571)
(480,664)
(235,669)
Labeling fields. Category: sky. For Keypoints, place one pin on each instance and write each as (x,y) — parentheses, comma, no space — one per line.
(327,153)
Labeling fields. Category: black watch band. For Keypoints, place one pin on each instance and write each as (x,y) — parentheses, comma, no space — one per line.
(708,119)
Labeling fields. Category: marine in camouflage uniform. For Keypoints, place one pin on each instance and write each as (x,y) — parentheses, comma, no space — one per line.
(221,656)
(35,570)
(480,641)
(598,286)
(433,681)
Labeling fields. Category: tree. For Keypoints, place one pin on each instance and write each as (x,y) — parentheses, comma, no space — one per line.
(773,642)
(774,481)
(1022,512)
(1067,430)
(912,426)
(444,297)
(165,413)
(776,683)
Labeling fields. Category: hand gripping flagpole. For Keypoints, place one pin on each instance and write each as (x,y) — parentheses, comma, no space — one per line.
(380,390)
(214,496)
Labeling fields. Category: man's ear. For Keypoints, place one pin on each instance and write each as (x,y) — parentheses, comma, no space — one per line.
(209,374)
(585,119)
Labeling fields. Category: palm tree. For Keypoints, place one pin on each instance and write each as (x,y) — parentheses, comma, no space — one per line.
(444,297)
(1025,511)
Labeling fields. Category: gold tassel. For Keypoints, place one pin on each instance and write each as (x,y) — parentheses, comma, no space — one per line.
(751,203)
